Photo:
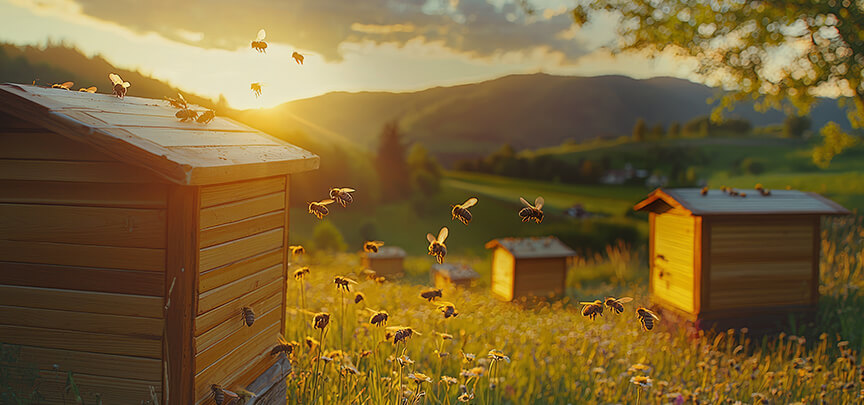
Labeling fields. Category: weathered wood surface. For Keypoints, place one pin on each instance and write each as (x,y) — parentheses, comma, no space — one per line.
(221,295)
(230,310)
(230,192)
(64,170)
(114,257)
(109,365)
(239,229)
(82,341)
(539,276)
(119,195)
(83,301)
(231,324)
(238,337)
(82,278)
(223,275)
(238,210)
(82,321)
(228,252)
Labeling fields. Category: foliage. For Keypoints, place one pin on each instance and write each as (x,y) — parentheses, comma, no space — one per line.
(751,166)
(743,44)
(674,130)
(390,162)
(506,162)
(834,141)
(639,130)
(327,237)
(657,132)
(795,126)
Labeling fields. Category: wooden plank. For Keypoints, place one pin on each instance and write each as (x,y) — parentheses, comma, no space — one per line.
(236,211)
(181,280)
(241,334)
(223,275)
(46,146)
(706,269)
(735,271)
(182,135)
(222,254)
(125,119)
(82,301)
(816,254)
(245,162)
(108,365)
(242,355)
(110,390)
(83,321)
(64,170)
(12,123)
(286,260)
(208,320)
(240,229)
(230,192)
(88,194)
(82,341)
(124,227)
(230,325)
(219,296)
(83,255)
(698,256)
(82,278)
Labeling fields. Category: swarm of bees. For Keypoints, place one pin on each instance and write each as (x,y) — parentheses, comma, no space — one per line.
(530,212)
(120,86)
(319,208)
(460,211)
(437,247)
(220,395)
(248,315)
(591,309)
(342,195)
(283,346)
(371,246)
(258,44)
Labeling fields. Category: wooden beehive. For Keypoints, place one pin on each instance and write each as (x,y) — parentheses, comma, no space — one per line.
(446,275)
(724,261)
(528,266)
(130,242)
(388,261)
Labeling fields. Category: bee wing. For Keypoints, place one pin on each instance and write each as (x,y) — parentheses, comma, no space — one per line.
(442,235)
(624,300)
(91,89)
(126,85)
(430,238)
(230,394)
(325,202)
(470,202)
(347,190)
(261,35)
(652,314)
(282,340)
(115,78)
(182,99)
(586,303)
(67,85)
(377,243)
(538,203)
(525,202)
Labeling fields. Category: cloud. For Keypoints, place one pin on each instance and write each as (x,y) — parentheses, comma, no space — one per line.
(479,28)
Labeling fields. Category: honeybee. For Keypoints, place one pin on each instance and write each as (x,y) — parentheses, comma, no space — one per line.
(743,195)
(342,195)
(321,320)
(319,209)
(431,294)
(460,211)
(206,117)
(437,247)
(120,87)
(343,282)
(297,58)
(248,315)
(258,44)
(256,88)
(283,346)
(616,305)
(297,250)
(301,273)
(532,211)
(369,274)
(704,191)
(647,318)
(64,85)
(403,334)
(186,114)
(372,246)
(379,318)
(448,309)
(592,309)
(91,89)
(179,102)
(221,394)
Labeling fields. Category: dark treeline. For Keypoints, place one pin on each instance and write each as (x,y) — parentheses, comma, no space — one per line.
(506,162)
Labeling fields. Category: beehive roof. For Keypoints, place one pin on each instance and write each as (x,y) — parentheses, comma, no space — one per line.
(387,252)
(144,132)
(716,202)
(455,271)
(534,247)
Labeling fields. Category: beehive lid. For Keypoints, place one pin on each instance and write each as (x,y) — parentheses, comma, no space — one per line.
(144,132)
(455,271)
(535,247)
(716,202)
(387,252)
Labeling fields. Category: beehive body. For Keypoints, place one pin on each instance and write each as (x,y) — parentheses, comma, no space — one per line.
(528,267)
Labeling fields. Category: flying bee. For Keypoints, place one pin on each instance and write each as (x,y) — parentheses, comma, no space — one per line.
(179,102)
(91,89)
(248,315)
(647,318)
(206,117)
(64,85)
(297,250)
(704,191)
(319,209)
(301,273)
(460,211)
(532,211)
(258,44)
(297,58)
(186,115)
(343,282)
(437,247)
(592,309)
(283,346)
(221,394)
(402,334)
(256,88)
(616,305)
(431,294)
(448,309)
(120,87)
(342,195)
(371,246)
(379,318)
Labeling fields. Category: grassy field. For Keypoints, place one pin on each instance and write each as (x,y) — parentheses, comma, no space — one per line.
(556,356)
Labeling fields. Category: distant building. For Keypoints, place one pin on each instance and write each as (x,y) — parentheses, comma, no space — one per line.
(389,261)
(528,266)
(450,274)
(621,176)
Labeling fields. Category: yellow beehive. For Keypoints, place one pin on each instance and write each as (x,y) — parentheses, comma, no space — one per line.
(528,266)
(387,262)
(452,275)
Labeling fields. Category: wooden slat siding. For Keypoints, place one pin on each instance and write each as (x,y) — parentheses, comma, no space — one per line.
(82,321)
(235,211)
(231,192)
(86,194)
(705,268)
(13,123)
(674,240)
(230,325)
(270,370)
(817,252)
(221,295)
(259,345)
(123,227)
(82,301)
(286,260)
(229,252)
(181,281)
(236,230)
(64,170)
(652,233)
(503,267)
(208,320)
(698,257)
(108,365)
(223,275)
(111,390)
(46,146)
(241,334)
(82,341)
(540,276)
(126,258)
(148,283)
(281,159)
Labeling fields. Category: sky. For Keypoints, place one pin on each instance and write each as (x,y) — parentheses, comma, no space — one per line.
(203,46)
